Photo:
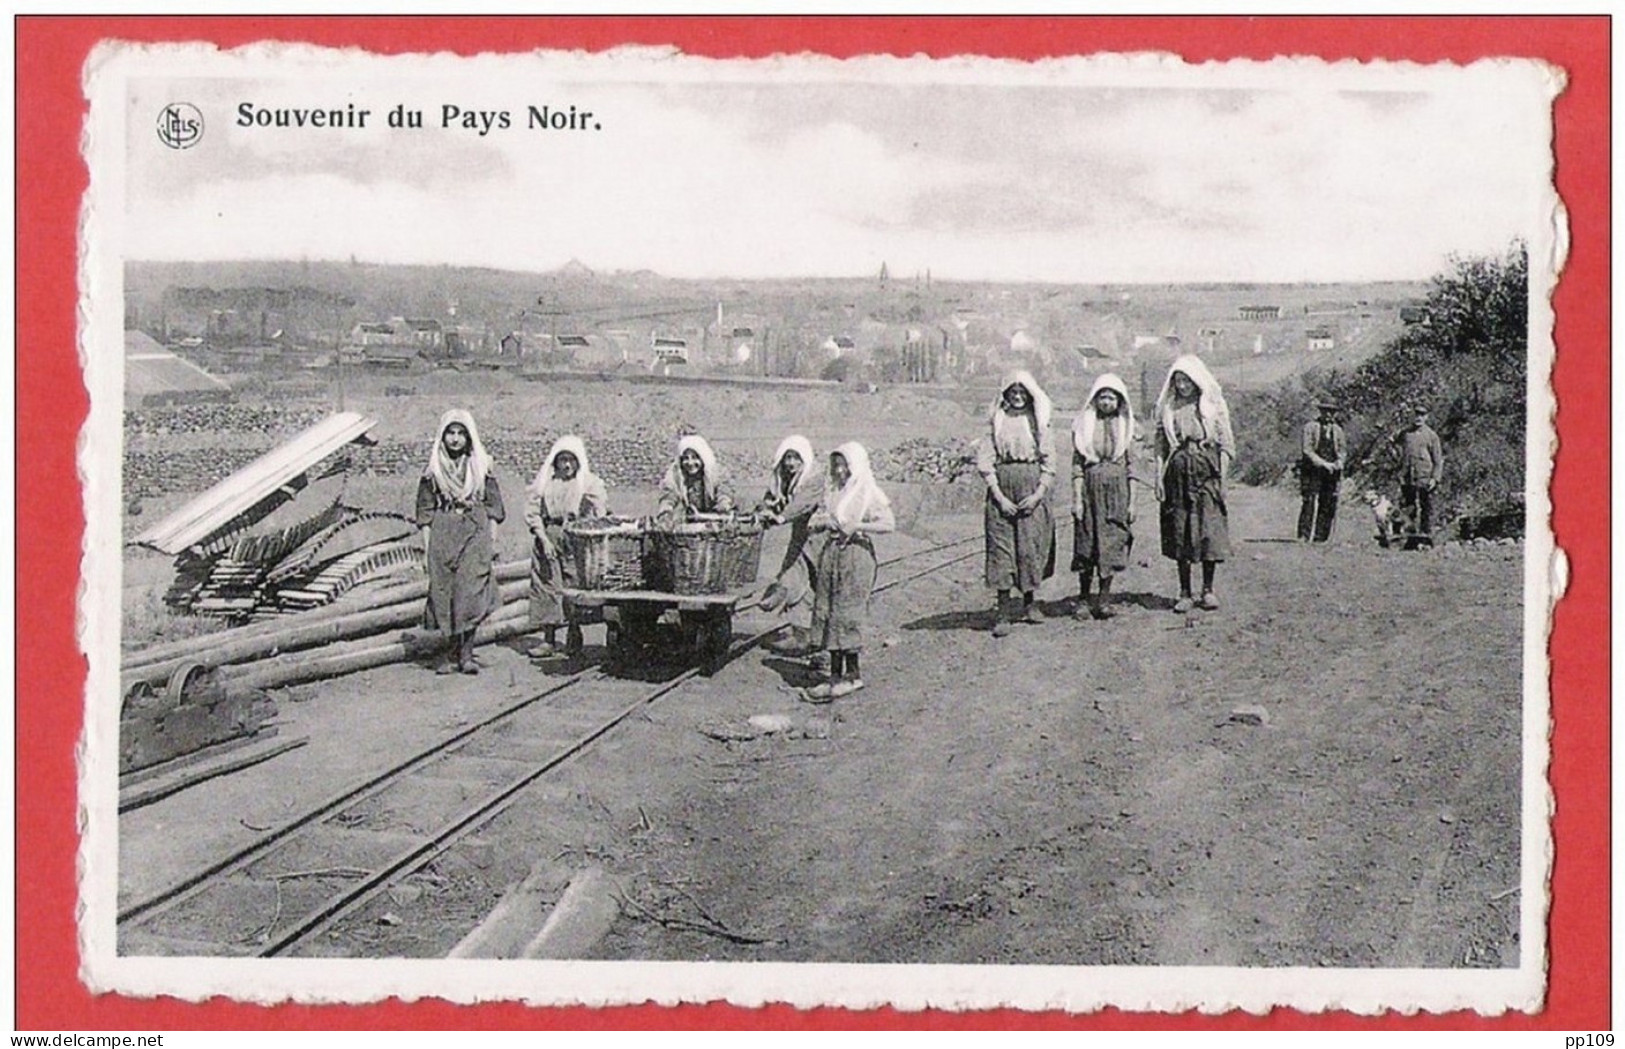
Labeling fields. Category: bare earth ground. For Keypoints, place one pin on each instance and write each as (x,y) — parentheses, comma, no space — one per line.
(1072,794)
(1075,793)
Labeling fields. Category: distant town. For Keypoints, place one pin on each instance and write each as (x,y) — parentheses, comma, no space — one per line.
(226,319)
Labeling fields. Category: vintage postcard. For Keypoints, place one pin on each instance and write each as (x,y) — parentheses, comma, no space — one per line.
(944,533)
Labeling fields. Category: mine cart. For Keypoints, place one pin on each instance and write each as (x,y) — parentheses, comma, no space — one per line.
(641,581)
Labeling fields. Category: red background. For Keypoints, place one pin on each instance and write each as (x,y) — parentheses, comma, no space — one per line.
(51,406)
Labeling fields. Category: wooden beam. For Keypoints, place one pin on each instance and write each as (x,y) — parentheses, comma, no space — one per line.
(517,919)
(298,633)
(350,604)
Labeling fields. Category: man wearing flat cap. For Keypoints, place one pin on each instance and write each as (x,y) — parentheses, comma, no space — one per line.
(1421,468)
(1319,472)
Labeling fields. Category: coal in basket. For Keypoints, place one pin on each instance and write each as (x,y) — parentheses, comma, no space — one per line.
(608,553)
(708,554)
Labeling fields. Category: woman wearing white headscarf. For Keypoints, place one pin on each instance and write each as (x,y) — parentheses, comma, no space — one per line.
(458,507)
(694,484)
(1102,497)
(793,466)
(793,493)
(1195,446)
(854,508)
(1017,461)
(565,489)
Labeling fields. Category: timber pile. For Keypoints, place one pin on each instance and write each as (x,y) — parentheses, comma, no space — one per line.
(342,573)
(307,564)
(363,630)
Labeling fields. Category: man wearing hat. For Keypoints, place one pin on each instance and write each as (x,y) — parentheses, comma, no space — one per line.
(1421,468)
(1319,471)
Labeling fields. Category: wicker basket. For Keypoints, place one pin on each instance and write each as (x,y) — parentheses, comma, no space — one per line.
(707,557)
(608,554)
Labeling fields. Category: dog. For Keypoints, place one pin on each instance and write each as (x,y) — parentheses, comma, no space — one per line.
(1391,522)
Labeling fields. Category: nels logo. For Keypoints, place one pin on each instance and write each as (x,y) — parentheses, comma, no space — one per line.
(180,125)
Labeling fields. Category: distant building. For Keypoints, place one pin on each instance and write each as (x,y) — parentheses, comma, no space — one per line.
(372,333)
(669,349)
(1414,314)
(1321,339)
(420,336)
(1329,308)
(425,334)
(1259,313)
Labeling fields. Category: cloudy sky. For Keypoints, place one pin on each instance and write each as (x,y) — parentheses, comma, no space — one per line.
(1003,172)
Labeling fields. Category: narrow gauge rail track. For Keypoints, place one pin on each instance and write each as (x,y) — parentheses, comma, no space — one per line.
(502,755)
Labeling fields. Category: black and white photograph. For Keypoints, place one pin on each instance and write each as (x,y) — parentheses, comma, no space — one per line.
(956,533)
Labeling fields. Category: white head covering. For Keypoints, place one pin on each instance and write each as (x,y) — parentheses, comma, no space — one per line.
(442,469)
(1210,405)
(708,461)
(1083,427)
(1010,434)
(849,504)
(809,466)
(562,497)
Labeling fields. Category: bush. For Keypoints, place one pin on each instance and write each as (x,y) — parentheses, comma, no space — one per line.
(1468,362)
(1268,425)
